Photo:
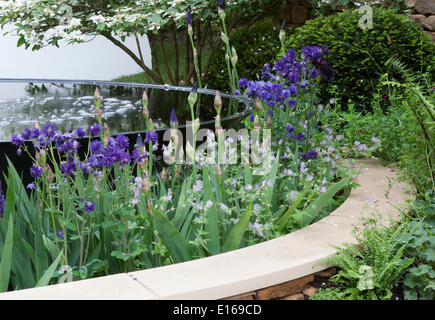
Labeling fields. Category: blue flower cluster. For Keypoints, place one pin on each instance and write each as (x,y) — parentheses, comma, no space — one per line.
(114,151)
(281,82)
(49,136)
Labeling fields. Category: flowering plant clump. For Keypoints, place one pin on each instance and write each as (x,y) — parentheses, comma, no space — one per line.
(110,208)
(107,209)
(286,103)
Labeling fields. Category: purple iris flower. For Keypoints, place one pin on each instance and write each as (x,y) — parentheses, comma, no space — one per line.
(173,118)
(189,18)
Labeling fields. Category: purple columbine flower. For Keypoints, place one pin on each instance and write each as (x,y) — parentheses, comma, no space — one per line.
(89,206)
(60,234)
(69,167)
(49,130)
(95,129)
(300,137)
(31,186)
(151,136)
(17,140)
(36,172)
(96,147)
(122,142)
(25,134)
(243,83)
(137,156)
(312,154)
(35,133)
(80,133)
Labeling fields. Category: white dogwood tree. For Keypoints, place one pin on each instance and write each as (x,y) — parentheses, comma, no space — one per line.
(40,23)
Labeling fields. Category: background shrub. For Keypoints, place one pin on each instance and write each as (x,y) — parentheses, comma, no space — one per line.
(359,56)
(255,45)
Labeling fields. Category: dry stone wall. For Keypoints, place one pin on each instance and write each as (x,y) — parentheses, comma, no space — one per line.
(299,289)
(423,13)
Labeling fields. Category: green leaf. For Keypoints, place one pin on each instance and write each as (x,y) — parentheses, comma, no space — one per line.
(21,41)
(182,209)
(41,257)
(172,239)
(235,236)
(212,224)
(305,217)
(48,274)
(285,218)
(6,257)
(268,193)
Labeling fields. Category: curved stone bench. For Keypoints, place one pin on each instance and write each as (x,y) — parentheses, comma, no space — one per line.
(252,268)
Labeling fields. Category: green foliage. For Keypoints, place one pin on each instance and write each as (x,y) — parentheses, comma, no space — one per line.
(360,57)
(335,293)
(255,46)
(371,269)
(419,239)
(406,130)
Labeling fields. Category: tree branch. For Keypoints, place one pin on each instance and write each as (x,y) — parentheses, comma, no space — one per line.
(118,43)
(139,49)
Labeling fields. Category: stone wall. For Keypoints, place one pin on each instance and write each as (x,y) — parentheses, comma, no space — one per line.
(299,289)
(424,14)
